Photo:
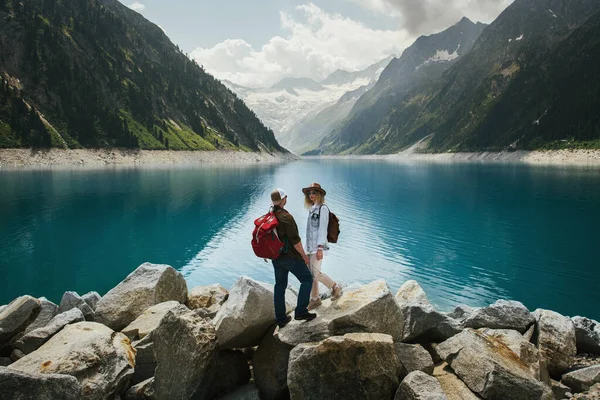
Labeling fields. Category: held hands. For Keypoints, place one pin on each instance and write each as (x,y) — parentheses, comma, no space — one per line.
(319,254)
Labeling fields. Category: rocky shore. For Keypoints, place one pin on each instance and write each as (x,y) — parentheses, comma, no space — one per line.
(152,338)
(101,157)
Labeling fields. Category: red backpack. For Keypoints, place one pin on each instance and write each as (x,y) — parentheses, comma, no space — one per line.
(265,242)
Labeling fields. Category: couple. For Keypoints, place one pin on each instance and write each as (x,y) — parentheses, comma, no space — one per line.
(306,266)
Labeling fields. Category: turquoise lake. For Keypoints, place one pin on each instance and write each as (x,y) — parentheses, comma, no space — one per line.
(468,233)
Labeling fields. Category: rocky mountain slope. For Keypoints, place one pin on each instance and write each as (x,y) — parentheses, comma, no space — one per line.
(96,74)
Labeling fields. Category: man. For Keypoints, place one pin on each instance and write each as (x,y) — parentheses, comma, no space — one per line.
(293,260)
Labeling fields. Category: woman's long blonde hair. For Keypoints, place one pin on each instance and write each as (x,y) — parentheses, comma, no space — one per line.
(319,199)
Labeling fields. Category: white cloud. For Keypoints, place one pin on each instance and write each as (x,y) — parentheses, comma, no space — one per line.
(137,6)
(317,43)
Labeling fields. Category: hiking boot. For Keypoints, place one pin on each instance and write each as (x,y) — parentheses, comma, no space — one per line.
(283,323)
(306,317)
(336,292)
(314,304)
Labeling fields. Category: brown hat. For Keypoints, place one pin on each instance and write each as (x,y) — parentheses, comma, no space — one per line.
(314,186)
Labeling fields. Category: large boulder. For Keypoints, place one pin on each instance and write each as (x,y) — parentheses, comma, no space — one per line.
(245,318)
(556,340)
(102,360)
(232,371)
(503,314)
(353,366)
(148,285)
(420,321)
(582,379)
(33,340)
(185,346)
(370,309)
(207,299)
(149,320)
(72,300)
(48,310)
(587,332)
(16,317)
(17,385)
(420,386)
(270,366)
(413,357)
(453,387)
(490,368)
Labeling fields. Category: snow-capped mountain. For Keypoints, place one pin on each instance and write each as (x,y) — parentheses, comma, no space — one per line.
(289,106)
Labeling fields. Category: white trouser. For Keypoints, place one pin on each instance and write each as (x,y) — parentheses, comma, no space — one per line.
(318,276)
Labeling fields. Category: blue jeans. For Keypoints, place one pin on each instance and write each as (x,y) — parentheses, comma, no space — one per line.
(282,267)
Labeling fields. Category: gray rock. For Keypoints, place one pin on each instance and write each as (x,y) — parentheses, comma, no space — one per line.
(148,285)
(102,360)
(530,332)
(420,386)
(48,310)
(453,387)
(232,371)
(33,340)
(5,361)
(582,379)
(72,300)
(526,351)
(92,299)
(207,299)
(413,357)
(145,360)
(420,321)
(503,314)
(16,355)
(17,385)
(185,347)
(555,340)
(140,391)
(353,366)
(371,309)
(2,308)
(16,317)
(559,390)
(150,319)
(490,368)
(270,366)
(587,332)
(246,392)
(246,317)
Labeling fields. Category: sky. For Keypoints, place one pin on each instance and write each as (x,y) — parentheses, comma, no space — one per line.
(258,43)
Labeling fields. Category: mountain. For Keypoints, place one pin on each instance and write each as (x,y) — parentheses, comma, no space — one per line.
(530,81)
(94,73)
(422,62)
(302,111)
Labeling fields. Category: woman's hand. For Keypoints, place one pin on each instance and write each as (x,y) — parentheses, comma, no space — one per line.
(319,254)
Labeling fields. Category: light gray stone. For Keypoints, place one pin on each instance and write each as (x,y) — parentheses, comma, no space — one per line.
(414,357)
(419,320)
(33,340)
(150,319)
(48,310)
(270,366)
(503,314)
(148,285)
(3,307)
(370,309)
(140,391)
(102,360)
(556,340)
(185,347)
(559,390)
(246,316)
(18,385)
(353,366)
(72,300)
(582,379)
(16,317)
(231,372)
(453,387)
(490,368)
(207,299)
(145,360)
(420,386)
(587,332)
(92,299)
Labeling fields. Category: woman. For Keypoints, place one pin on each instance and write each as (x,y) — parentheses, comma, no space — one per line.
(316,242)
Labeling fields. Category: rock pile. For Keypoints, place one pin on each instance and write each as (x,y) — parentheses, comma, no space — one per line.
(149,338)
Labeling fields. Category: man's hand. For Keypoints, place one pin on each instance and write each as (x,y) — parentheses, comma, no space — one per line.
(319,254)
(306,260)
